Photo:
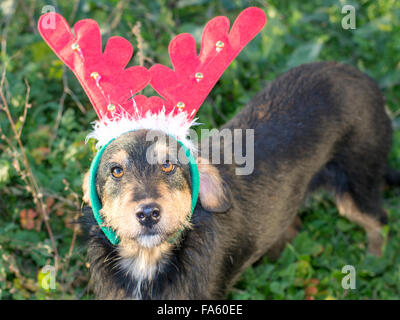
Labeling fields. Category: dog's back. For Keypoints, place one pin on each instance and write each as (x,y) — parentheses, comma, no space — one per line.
(320,124)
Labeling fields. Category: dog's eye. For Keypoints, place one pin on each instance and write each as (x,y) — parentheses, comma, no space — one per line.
(117,172)
(167,166)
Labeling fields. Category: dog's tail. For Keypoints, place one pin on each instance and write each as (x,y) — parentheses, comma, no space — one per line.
(392,177)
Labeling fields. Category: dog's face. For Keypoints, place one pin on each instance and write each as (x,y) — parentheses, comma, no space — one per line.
(145,189)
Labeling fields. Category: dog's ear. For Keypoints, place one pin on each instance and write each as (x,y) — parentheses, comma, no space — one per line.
(85,189)
(214,193)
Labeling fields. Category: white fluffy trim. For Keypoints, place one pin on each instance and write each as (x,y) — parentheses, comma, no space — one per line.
(177,125)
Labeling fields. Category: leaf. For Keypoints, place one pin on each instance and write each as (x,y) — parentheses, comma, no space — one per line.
(344,225)
(187,3)
(194,29)
(391,79)
(60,212)
(276,287)
(311,291)
(49,202)
(27,236)
(304,245)
(4,172)
(41,52)
(27,219)
(305,53)
(303,268)
(40,154)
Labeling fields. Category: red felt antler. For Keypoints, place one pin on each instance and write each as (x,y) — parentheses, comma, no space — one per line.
(193,77)
(102,75)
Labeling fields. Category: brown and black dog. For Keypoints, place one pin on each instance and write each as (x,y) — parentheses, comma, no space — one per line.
(320,124)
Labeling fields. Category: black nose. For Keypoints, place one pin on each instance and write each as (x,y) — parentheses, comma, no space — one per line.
(148,214)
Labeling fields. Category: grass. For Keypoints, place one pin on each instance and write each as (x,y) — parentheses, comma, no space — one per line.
(43,156)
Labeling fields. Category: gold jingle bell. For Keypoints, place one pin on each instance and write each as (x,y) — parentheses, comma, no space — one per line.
(198,76)
(180,105)
(111,107)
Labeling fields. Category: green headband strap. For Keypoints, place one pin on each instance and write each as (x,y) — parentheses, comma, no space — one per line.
(96,204)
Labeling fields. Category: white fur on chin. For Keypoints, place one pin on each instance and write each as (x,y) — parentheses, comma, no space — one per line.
(149,241)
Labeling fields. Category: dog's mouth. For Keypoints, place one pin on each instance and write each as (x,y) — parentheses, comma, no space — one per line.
(150,239)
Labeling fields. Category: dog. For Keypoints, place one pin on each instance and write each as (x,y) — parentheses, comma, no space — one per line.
(318,125)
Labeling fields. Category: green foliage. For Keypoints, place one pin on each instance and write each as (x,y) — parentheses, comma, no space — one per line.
(317,255)
(53,137)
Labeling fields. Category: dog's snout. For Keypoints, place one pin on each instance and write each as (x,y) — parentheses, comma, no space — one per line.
(149,214)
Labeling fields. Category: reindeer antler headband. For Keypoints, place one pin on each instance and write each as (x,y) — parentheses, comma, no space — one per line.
(112,89)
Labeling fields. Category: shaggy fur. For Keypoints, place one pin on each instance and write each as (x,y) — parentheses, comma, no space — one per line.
(318,125)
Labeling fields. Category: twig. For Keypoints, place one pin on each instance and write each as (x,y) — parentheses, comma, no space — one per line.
(60,109)
(76,100)
(74,11)
(136,32)
(117,12)
(27,175)
(76,226)
(61,199)
(26,107)
(66,91)
(75,230)
(29,13)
